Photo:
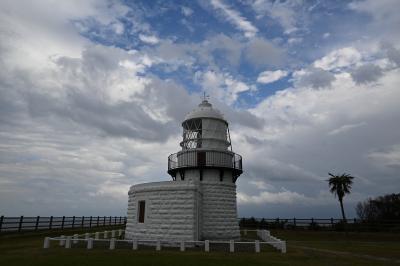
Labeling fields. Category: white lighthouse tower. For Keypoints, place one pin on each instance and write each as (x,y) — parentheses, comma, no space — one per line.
(200,202)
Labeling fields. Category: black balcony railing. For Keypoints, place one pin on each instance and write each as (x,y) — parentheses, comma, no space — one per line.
(205,159)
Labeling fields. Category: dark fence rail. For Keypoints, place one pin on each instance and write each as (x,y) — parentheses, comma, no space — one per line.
(334,224)
(22,223)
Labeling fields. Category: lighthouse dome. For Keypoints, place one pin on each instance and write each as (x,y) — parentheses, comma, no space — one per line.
(205,110)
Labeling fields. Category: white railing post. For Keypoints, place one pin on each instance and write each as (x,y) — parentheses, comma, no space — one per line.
(283,247)
(231,246)
(113,234)
(62,240)
(112,243)
(263,235)
(207,246)
(90,243)
(46,243)
(158,245)
(257,244)
(120,232)
(76,236)
(87,235)
(134,244)
(68,242)
(105,234)
(182,245)
(97,236)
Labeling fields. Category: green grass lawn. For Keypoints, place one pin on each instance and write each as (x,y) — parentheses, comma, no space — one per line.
(26,249)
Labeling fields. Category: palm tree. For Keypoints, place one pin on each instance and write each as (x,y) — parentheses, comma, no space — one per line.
(340,186)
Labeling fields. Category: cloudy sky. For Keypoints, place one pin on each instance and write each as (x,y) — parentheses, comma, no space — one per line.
(92,94)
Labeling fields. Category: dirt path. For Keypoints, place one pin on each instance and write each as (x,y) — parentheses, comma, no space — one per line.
(345,253)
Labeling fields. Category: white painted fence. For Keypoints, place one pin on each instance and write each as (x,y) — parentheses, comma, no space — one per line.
(91,238)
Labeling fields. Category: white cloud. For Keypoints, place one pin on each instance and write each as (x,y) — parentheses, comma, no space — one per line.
(343,57)
(326,35)
(187,11)
(261,52)
(313,77)
(271,76)
(285,13)
(221,85)
(265,197)
(235,18)
(389,157)
(346,128)
(118,28)
(150,39)
(366,73)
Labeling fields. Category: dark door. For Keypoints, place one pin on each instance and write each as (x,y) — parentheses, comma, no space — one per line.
(201,158)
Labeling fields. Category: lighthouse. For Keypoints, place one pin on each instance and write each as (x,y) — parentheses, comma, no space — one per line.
(200,201)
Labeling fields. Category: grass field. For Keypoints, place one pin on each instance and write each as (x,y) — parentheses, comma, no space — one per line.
(304,248)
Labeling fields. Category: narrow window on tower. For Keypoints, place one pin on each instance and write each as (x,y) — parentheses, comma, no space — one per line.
(141,211)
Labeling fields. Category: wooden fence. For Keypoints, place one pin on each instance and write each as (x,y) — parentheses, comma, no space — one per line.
(22,223)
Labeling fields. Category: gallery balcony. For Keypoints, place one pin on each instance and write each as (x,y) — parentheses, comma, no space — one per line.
(200,158)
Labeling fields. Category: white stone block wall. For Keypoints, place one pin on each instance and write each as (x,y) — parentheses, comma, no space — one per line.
(169,212)
(219,211)
(185,210)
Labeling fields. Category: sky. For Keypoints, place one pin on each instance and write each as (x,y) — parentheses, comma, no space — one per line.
(93,93)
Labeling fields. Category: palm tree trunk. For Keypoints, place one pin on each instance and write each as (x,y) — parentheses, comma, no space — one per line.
(341,207)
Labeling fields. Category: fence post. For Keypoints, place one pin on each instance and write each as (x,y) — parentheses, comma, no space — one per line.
(98,218)
(62,223)
(257,246)
(37,223)
(46,243)
(90,222)
(283,246)
(104,221)
(112,243)
(158,245)
(115,220)
(109,222)
(1,221)
(90,243)
(120,219)
(21,219)
(83,221)
(62,240)
(105,235)
(182,246)
(294,223)
(76,236)
(331,223)
(68,242)
(207,246)
(51,222)
(96,236)
(73,221)
(231,246)
(134,244)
